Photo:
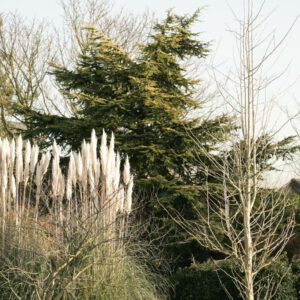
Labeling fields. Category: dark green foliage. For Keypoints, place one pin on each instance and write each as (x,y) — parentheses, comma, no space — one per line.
(296,273)
(279,278)
(291,190)
(210,281)
(205,282)
(293,247)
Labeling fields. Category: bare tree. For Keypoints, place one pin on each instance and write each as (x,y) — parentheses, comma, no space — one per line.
(25,50)
(253,223)
(125,29)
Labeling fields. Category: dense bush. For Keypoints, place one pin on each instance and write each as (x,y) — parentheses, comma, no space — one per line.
(279,273)
(208,281)
(296,273)
(203,281)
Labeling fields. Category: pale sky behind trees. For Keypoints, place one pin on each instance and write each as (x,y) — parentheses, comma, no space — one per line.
(216,19)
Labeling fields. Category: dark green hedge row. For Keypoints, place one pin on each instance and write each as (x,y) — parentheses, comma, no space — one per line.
(209,281)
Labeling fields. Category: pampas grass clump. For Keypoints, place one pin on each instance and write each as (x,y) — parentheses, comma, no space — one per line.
(64,231)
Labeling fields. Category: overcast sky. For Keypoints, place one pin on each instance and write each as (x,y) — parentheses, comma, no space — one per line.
(217,18)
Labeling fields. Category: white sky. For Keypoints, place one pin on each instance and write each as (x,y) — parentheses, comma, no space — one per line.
(217,18)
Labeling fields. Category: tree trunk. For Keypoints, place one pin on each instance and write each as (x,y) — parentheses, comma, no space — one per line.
(248,253)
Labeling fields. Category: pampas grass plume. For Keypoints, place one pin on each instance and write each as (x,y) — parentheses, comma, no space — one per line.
(103,153)
(34,158)
(121,199)
(19,160)
(126,171)
(27,161)
(129,195)
(78,163)
(12,152)
(45,160)
(13,189)
(94,150)
(4,178)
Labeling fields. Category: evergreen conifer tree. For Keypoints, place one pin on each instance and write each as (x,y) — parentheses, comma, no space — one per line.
(148,102)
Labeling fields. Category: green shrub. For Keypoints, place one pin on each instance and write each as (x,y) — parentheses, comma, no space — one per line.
(278,277)
(204,281)
(296,273)
(209,281)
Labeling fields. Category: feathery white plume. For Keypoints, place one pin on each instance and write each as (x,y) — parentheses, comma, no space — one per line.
(103,153)
(72,169)
(129,195)
(116,172)
(27,152)
(19,160)
(71,176)
(85,162)
(55,169)
(121,199)
(13,189)
(27,161)
(126,171)
(33,158)
(6,149)
(45,160)
(61,185)
(78,163)
(111,161)
(4,174)
(93,149)
(12,152)
(69,188)
(38,175)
